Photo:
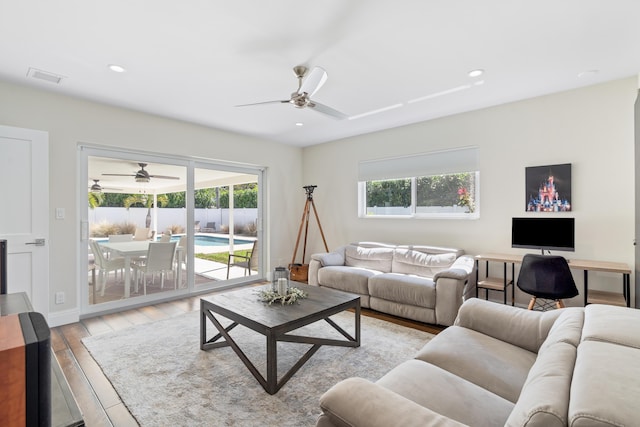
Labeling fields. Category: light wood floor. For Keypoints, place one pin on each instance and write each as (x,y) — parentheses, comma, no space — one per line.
(97,399)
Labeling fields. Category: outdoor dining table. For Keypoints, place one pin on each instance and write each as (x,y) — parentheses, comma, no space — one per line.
(129,250)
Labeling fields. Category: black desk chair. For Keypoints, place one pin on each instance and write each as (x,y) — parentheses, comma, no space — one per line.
(546,277)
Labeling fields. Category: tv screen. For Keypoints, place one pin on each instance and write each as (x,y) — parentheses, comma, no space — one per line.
(543,233)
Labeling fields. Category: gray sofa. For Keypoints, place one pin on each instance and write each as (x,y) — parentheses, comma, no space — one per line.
(423,283)
(502,365)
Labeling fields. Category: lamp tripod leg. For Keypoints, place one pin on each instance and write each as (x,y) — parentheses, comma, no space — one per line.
(326,248)
(305,213)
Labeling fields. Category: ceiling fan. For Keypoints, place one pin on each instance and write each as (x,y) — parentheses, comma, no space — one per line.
(97,188)
(302,97)
(142,175)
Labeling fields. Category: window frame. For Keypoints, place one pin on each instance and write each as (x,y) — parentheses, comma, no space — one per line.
(394,167)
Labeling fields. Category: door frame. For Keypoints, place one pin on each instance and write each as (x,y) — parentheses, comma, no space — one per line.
(190,163)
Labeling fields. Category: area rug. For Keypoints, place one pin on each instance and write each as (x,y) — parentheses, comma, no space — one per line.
(164,378)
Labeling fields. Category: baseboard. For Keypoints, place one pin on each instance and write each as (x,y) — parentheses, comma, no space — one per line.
(65,317)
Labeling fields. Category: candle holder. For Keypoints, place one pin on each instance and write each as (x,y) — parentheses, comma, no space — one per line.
(280,281)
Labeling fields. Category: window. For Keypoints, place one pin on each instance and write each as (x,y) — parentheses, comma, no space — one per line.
(440,184)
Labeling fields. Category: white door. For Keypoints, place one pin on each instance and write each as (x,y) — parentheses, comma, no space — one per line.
(24,216)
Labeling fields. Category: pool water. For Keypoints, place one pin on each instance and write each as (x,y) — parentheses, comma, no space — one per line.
(215,241)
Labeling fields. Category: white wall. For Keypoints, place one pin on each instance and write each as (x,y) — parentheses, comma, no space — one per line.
(591,128)
(71,121)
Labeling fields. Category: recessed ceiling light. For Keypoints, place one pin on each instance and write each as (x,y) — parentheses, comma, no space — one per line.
(299,124)
(116,68)
(476,73)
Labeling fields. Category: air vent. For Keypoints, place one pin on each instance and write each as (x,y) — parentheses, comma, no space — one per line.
(45,75)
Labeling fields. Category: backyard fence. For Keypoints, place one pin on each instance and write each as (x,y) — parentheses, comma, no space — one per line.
(170,218)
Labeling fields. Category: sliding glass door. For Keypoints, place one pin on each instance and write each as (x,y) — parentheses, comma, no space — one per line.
(209,213)
(226,243)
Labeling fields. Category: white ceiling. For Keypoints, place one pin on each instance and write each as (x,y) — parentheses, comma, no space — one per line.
(196,60)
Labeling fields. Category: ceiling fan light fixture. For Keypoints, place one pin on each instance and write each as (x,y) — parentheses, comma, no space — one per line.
(96,188)
(142,179)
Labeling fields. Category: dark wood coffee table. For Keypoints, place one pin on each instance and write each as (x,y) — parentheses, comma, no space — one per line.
(275,322)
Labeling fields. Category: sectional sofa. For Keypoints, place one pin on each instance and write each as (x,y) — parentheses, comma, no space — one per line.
(423,283)
(502,365)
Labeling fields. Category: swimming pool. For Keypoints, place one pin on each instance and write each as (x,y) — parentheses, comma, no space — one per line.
(215,241)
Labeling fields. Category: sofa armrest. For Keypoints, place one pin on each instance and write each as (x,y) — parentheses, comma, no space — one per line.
(324,259)
(330,258)
(450,288)
(526,328)
(358,402)
(314,266)
(461,269)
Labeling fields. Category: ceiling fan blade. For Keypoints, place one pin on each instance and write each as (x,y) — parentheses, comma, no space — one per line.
(95,189)
(262,103)
(163,177)
(314,81)
(118,174)
(321,108)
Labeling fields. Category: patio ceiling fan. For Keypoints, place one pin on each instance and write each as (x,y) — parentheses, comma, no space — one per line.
(301,98)
(142,175)
(97,188)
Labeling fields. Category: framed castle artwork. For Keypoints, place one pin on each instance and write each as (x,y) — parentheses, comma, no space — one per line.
(548,188)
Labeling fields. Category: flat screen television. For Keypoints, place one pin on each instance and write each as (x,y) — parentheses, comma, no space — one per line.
(543,233)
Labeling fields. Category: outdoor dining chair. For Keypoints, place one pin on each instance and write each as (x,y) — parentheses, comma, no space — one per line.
(104,264)
(141,234)
(120,237)
(160,259)
(248,262)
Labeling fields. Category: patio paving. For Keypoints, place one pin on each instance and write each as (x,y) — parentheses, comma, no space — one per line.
(205,272)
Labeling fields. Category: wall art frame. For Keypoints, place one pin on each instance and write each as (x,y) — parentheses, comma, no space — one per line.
(548,188)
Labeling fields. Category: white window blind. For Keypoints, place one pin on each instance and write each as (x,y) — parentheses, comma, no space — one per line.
(423,164)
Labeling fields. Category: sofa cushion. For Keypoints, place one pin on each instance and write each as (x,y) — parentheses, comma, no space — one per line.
(359,402)
(525,328)
(348,279)
(500,367)
(371,258)
(432,249)
(447,394)
(544,399)
(605,386)
(407,261)
(611,324)
(407,311)
(404,289)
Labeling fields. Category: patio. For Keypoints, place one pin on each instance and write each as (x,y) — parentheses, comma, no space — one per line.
(205,272)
